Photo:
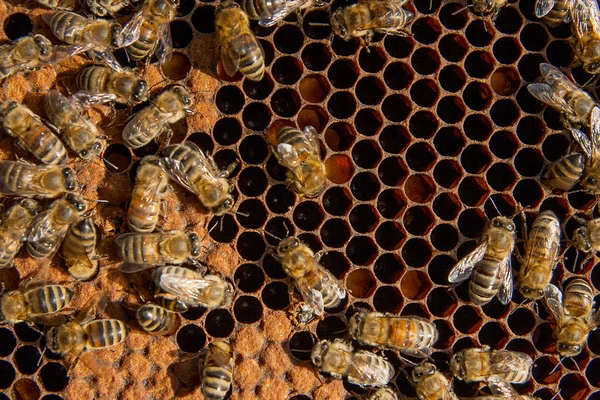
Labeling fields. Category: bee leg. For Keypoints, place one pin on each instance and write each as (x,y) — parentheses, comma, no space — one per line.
(319,254)
(230,168)
(168,134)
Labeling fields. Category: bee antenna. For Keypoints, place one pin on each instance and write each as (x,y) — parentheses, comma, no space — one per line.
(460,9)
(526,301)
(557,365)
(95,200)
(209,231)
(242,214)
(555,396)
(574,191)
(156,84)
(311,23)
(273,236)
(113,166)
(491,199)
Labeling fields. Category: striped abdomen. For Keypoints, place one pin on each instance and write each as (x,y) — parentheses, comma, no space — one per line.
(67,26)
(189,161)
(386,16)
(94,79)
(556,16)
(47,299)
(145,204)
(8,250)
(564,173)
(380,371)
(510,366)
(142,47)
(156,320)
(247,49)
(216,379)
(44,145)
(104,333)
(579,298)
(406,333)
(486,279)
(325,283)
(80,241)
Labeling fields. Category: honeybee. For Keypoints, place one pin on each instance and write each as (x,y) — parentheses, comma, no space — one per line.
(35,304)
(103,8)
(362,368)
(542,248)
(43,181)
(238,46)
(590,179)
(32,135)
(565,173)
(367,18)
(502,390)
(489,264)
(13,229)
(63,5)
(554,12)
(410,335)
(482,364)
(299,151)
(217,371)
(587,238)
(169,302)
(149,31)
(317,286)
(574,315)
(586,34)
(125,86)
(50,226)
(269,13)
(156,320)
(79,250)
(574,104)
(383,394)
(193,289)
(198,173)
(169,107)
(147,198)
(431,384)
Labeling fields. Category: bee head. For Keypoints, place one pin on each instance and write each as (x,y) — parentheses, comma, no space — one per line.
(317,352)
(421,371)
(287,244)
(70,179)
(568,350)
(52,339)
(530,293)
(456,366)
(338,25)
(78,203)
(43,44)
(195,243)
(140,93)
(590,184)
(7,106)
(225,206)
(581,239)
(503,223)
(93,151)
(184,95)
(355,322)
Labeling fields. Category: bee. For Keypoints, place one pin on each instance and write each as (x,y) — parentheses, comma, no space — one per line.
(338,359)
(13,229)
(147,198)
(317,286)
(32,135)
(102,8)
(565,173)
(191,168)
(149,31)
(482,364)
(169,302)
(502,390)
(410,335)
(125,86)
(238,46)
(574,104)
(586,34)
(51,226)
(217,371)
(573,314)
(156,320)
(79,250)
(367,18)
(43,181)
(269,13)
(542,248)
(554,12)
(169,107)
(431,384)
(141,251)
(34,304)
(489,264)
(63,5)
(587,238)
(193,289)
(383,394)
(299,151)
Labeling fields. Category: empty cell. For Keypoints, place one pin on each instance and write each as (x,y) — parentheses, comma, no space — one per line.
(361,250)
(258,90)
(441,303)
(26,389)
(447,206)
(331,327)
(461,344)
(252,181)
(527,102)
(229,100)
(475,159)
(473,191)
(580,200)
(479,32)
(185,7)
(531,130)
(17,25)
(508,20)
(479,64)
(366,154)
(301,344)
(419,188)
(389,235)
(251,246)
(446,337)
(247,309)
(449,141)
(452,78)
(504,112)
(315,24)
(203,19)
(276,296)
(361,283)
(253,149)
(364,186)
(423,124)
(444,237)
(506,50)
(555,146)
(227,131)
(528,192)
(451,19)
(415,285)
(288,39)
(453,47)
(439,268)
(337,201)
(424,92)
(272,267)
(370,90)
(340,136)
(390,203)
(477,96)
(389,268)
(546,371)
(227,231)
(477,127)
(8,341)
(398,75)
(343,73)
(339,168)
(416,252)
(467,320)
(394,139)
(398,46)
(147,150)
(287,70)
(426,30)
(372,59)
(529,66)
(341,105)
(191,338)
(344,48)
(117,155)
(451,109)
(314,88)
(335,232)
(471,223)
(308,215)
(420,157)
(505,81)
(493,334)
(249,278)
(181,33)
(387,299)
(314,116)
(573,387)
(219,323)
(7,374)
(285,103)
(542,338)
(548,394)
(529,162)
(280,199)
(392,171)
(560,53)
(504,144)
(316,56)
(363,218)
(27,359)
(336,263)
(534,37)
(425,61)
(581,77)
(447,173)
(368,121)
(54,376)
(501,176)
(521,321)
(256,116)
(418,220)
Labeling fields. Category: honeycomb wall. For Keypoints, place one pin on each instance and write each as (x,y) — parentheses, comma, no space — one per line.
(418,133)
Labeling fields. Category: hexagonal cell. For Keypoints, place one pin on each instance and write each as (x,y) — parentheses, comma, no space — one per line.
(372,59)
(285,102)
(366,154)
(251,246)
(203,19)
(181,33)
(340,136)
(219,323)
(287,70)
(424,92)
(471,222)
(420,157)
(288,39)
(447,173)
(423,124)
(528,192)
(258,90)
(473,191)
(253,149)
(573,387)
(256,116)
(315,24)
(229,99)
(337,201)
(529,162)
(425,61)
(331,327)
(117,157)
(300,345)
(452,19)
(592,372)
(252,181)
(449,141)
(579,200)
(447,206)
(387,299)
(26,389)
(560,53)
(396,107)
(452,78)
(343,73)
(342,47)
(370,90)
(444,237)
(365,186)
(418,220)
(314,88)
(249,278)
(178,67)
(389,268)
(529,66)
(419,188)
(53,376)
(546,371)
(389,235)
(521,321)
(533,37)
(228,228)
(467,320)
(426,30)
(361,283)
(451,109)
(8,341)
(17,25)
(504,144)
(335,232)
(363,218)
(479,64)
(475,159)
(531,130)
(275,295)
(415,285)
(341,105)
(441,303)
(227,131)
(394,138)
(398,46)
(416,252)
(508,20)
(390,203)
(505,81)
(398,75)
(247,309)
(493,334)
(272,267)
(501,176)
(316,56)
(339,168)
(368,121)
(479,32)
(280,199)
(361,250)
(477,96)
(542,338)
(27,359)
(308,215)
(453,47)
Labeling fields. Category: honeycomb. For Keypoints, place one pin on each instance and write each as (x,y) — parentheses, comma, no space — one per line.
(418,133)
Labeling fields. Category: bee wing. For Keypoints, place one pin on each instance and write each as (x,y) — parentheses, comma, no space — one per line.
(230,59)
(595,133)
(506,285)
(505,361)
(311,296)
(313,139)
(546,94)
(176,170)
(147,122)
(283,11)
(184,287)
(49,320)
(553,299)
(164,49)
(503,388)
(86,99)
(94,306)
(131,31)
(543,7)
(43,228)
(62,52)
(584,142)
(464,268)
(109,58)
(373,372)
(221,358)
(586,17)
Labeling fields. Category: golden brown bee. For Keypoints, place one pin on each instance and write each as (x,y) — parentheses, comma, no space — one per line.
(564,173)
(102,8)
(64,5)
(193,289)
(586,34)
(13,229)
(50,226)
(31,134)
(383,394)
(300,153)
(431,384)
(156,320)
(269,13)
(485,7)
(79,250)
(43,181)
(338,359)
(125,86)
(238,46)
(317,286)
(482,364)
(35,304)
(590,179)
(217,371)
(502,390)
(587,238)
(542,249)
(147,198)
(574,315)
(141,251)
(149,31)
(367,18)
(169,302)
(554,12)
(410,335)
(169,107)
(198,173)
(489,264)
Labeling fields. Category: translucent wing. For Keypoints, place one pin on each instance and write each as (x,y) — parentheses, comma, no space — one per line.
(148,122)
(62,52)
(286,8)
(543,7)
(313,139)
(464,268)
(44,230)
(230,59)
(86,99)
(108,58)
(585,16)
(377,373)
(184,288)
(584,142)
(503,388)
(131,31)
(506,361)
(506,285)
(311,296)
(553,299)
(55,100)
(219,356)
(546,94)
(164,49)
(94,306)
(595,133)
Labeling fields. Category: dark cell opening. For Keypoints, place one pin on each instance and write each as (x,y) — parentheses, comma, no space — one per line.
(477,96)
(467,320)
(451,109)
(288,39)
(506,50)
(501,176)
(181,33)
(447,173)
(177,67)
(479,33)
(247,309)
(388,268)
(343,73)
(425,61)
(361,283)
(451,19)
(25,333)
(203,19)
(394,138)
(452,78)
(444,237)
(531,130)
(427,6)
(527,102)
(249,278)
(440,302)
(227,228)
(555,146)
(419,188)
(366,154)
(420,157)
(504,112)
(528,192)
(361,250)
(493,334)
(560,53)
(546,371)
(446,206)
(368,121)
(344,48)
(508,20)
(370,90)
(418,220)
(592,372)
(330,328)
(17,25)
(287,70)
(573,387)
(253,149)
(252,181)
(398,46)
(341,105)
(219,323)
(364,186)
(308,215)
(227,131)
(521,321)
(477,127)
(581,201)
(335,232)
(27,359)
(423,124)
(256,116)
(445,338)
(387,299)
(416,252)
(426,30)
(191,338)
(504,144)
(273,268)
(203,140)
(185,7)
(473,191)
(340,136)
(53,375)
(339,168)
(258,90)
(230,100)
(529,162)
(278,227)
(313,24)
(316,56)
(337,201)
(286,102)
(7,374)
(147,150)
(529,66)
(363,218)
(397,76)
(453,47)
(8,342)
(389,235)
(534,37)
(390,203)
(280,199)
(117,155)
(424,92)
(471,223)
(372,59)
(251,246)
(475,159)
(449,141)
(301,344)
(479,64)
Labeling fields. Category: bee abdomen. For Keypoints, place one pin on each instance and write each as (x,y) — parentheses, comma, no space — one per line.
(385,370)
(252,61)
(104,333)
(93,79)
(48,299)
(216,380)
(259,8)
(517,375)
(578,298)
(62,24)
(156,320)
(144,45)
(485,281)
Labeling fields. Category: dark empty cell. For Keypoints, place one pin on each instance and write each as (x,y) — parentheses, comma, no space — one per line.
(581,77)
(117,155)
(372,59)
(343,73)
(398,46)
(508,20)
(337,201)
(339,168)
(546,370)
(370,90)
(54,376)
(552,118)
(397,76)
(181,34)
(453,47)
(316,56)
(531,130)
(392,171)
(529,162)
(573,387)
(501,176)
(477,96)
(185,7)
(344,48)
(228,229)
(529,66)
(534,37)
(361,250)
(592,372)
(451,18)
(493,334)
(506,50)
(203,19)
(504,112)
(471,223)
(438,270)
(316,24)
(368,121)
(418,220)
(285,102)
(288,39)
(452,78)
(249,278)
(27,359)
(479,33)
(147,150)
(416,252)
(393,139)
(272,267)
(335,232)
(17,25)
(425,61)
(314,88)
(276,295)
(419,188)
(308,215)
(560,53)
(252,181)
(505,81)
(341,105)
(280,199)
(446,206)
(389,235)
(340,136)
(504,144)
(336,263)
(420,157)
(224,158)
(527,102)
(390,203)
(479,64)
(387,299)
(447,173)
(475,159)
(444,237)
(580,200)
(388,268)
(528,192)
(7,374)
(203,140)
(449,141)
(301,344)
(521,321)
(330,328)
(451,109)
(467,320)
(424,92)
(219,323)
(253,149)
(26,332)
(366,154)
(287,70)
(191,338)
(8,341)
(427,6)
(251,246)
(473,191)
(426,30)
(256,116)
(247,309)
(258,90)
(396,107)
(423,124)
(194,313)
(227,131)
(361,283)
